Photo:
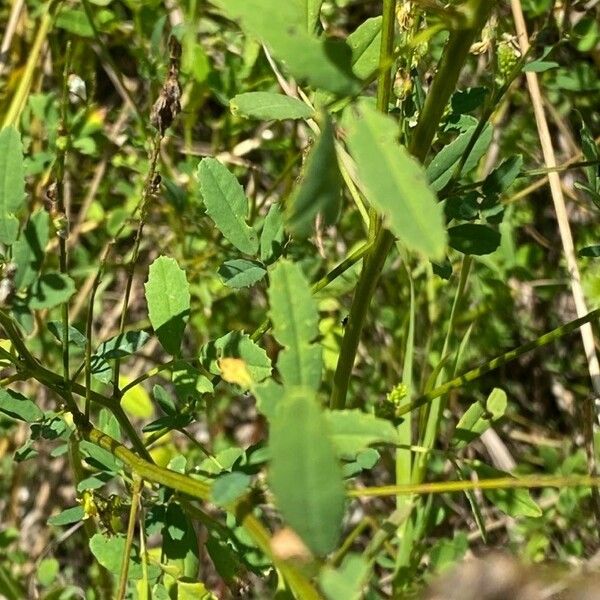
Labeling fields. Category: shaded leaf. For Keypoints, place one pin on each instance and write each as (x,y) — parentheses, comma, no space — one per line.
(236,345)
(100,457)
(19,407)
(590,252)
(472,238)
(503,176)
(75,336)
(50,290)
(395,183)
(168,298)
(319,191)
(441,168)
(226,204)
(229,487)
(310,499)
(29,249)
(346,581)
(109,552)
(121,345)
(240,273)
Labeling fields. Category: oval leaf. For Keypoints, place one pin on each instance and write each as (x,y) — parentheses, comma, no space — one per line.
(305,475)
(268,106)
(293,311)
(472,238)
(19,407)
(12,183)
(395,183)
(168,298)
(226,204)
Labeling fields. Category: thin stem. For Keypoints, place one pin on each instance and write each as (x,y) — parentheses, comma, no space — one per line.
(501,483)
(133,511)
(63,227)
(146,195)
(497,362)
(435,409)
(455,54)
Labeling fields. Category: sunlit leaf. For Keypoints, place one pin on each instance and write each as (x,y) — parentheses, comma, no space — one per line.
(226,204)
(394,182)
(12,183)
(168,298)
(19,407)
(266,106)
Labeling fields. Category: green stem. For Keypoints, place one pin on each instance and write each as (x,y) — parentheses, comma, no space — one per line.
(497,362)
(455,54)
(146,195)
(436,407)
(133,511)
(63,230)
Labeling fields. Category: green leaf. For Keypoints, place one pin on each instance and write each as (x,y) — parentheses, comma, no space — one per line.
(241,273)
(441,169)
(12,183)
(313,10)
(68,516)
(479,417)
(164,400)
(502,177)
(229,487)
(76,338)
(226,204)
(180,544)
(236,345)
(365,42)
(50,290)
(121,345)
(472,238)
(305,476)
(353,430)
(272,235)
(394,182)
(590,153)
(347,581)
(539,66)
(590,252)
(267,106)
(168,298)
(319,191)
(513,502)
(28,250)
(19,407)
(109,552)
(293,311)
(189,382)
(324,64)
(189,589)
(100,457)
